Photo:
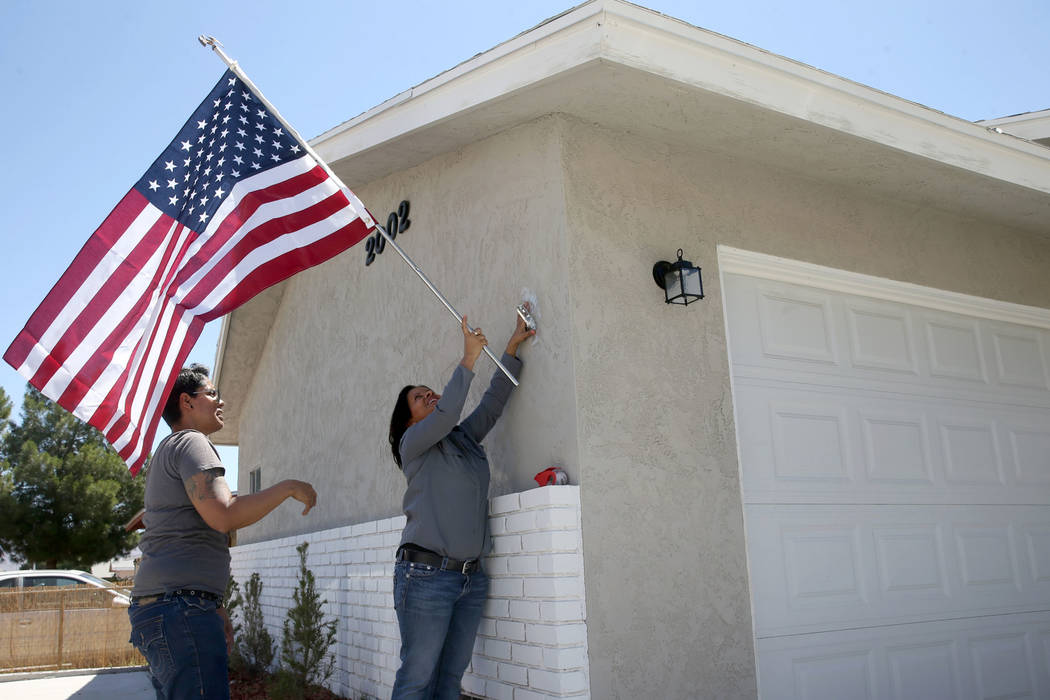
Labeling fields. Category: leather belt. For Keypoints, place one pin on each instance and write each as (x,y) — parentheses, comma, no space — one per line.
(463,566)
(179,593)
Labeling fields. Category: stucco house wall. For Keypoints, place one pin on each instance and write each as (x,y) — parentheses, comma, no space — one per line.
(664,544)
(487,222)
(630,396)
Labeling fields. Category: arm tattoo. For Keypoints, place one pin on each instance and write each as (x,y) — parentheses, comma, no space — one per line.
(200,487)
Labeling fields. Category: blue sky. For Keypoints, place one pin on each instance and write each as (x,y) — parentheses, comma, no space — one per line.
(93,91)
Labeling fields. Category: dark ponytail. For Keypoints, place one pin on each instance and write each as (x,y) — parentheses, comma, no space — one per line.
(399,423)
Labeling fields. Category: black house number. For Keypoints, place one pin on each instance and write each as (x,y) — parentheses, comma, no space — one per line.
(397,222)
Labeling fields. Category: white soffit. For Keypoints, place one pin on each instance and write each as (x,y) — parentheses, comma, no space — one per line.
(625,67)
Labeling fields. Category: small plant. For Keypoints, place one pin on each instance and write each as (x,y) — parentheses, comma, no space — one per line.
(255,647)
(232,601)
(285,686)
(307,638)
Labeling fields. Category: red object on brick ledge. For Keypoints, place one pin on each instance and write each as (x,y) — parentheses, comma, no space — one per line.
(552,476)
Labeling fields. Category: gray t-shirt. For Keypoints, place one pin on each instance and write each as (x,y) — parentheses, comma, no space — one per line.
(179,549)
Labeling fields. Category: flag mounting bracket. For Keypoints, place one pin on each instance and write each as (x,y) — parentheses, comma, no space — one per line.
(216,46)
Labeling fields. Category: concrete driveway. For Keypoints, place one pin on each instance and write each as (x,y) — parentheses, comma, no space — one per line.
(105,684)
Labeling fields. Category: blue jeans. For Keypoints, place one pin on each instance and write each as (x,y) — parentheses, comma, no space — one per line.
(182,638)
(438,613)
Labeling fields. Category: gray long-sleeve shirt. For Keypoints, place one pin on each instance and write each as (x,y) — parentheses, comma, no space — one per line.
(446,501)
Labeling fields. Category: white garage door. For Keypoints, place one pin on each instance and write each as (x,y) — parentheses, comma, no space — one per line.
(895,468)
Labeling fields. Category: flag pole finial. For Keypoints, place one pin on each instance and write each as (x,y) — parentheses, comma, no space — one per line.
(210,42)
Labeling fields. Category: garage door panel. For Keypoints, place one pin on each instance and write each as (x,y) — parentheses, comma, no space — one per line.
(819,568)
(894,448)
(954,348)
(881,337)
(797,324)
(791,327)
(1029,440)
(1037,550)
(971,449)
(971,659)
(1019,357)
(851,445)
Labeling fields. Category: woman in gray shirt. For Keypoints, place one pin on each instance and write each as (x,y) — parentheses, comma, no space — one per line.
(176,613)
(439,587)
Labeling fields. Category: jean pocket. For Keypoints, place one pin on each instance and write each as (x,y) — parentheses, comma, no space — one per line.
(148,637)
(197,606)
(417,570)
(404,573)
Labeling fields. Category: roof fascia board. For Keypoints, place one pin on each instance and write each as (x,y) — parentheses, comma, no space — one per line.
(618,32)
(681,52)
(561,44)
(1031,126)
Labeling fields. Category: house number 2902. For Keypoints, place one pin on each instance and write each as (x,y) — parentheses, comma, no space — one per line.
(397,222)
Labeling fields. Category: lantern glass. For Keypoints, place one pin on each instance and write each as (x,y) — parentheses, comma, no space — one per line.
(672,286)
(692,286)
(683,283)
(680,280)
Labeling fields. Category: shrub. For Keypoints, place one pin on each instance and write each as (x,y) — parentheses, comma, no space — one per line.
(232,601)
(255,647)
(307,635)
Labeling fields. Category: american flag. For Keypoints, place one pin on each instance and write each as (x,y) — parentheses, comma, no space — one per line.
(233,205)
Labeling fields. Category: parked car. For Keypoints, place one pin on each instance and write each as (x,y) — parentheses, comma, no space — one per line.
(62,618)
(63,578)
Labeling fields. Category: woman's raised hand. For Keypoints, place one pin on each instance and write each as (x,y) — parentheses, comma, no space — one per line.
(473,342)
(521,332)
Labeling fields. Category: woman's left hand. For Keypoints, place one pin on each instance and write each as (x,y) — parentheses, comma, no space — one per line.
(521,333)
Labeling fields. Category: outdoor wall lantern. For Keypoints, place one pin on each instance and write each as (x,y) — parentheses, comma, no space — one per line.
(680,280)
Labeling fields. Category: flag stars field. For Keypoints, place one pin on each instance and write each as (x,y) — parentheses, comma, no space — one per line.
(206,160)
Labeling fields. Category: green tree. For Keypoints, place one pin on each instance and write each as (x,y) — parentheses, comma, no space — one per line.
(5,411)
(64,493)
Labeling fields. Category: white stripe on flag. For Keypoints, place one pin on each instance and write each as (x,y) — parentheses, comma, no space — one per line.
(265,213)
(267,178)
(130,296)
(91,286)
(300,238)
(117,365)
(144,361)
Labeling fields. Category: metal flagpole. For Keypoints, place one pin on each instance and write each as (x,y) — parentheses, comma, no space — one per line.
(216,46)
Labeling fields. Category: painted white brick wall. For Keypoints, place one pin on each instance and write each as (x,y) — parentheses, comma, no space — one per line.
(532,643)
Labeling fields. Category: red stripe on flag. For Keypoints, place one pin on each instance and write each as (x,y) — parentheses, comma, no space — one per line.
(153,350)
(259,236)
(96,248)
(164,374)
(101,304)
(284,266)
(145,349)
(244,210)
(90,372)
